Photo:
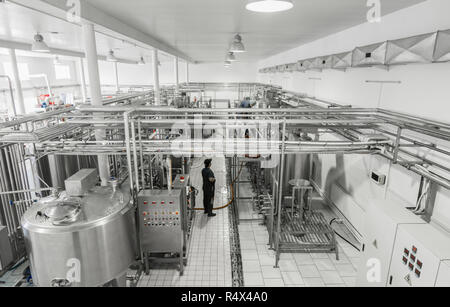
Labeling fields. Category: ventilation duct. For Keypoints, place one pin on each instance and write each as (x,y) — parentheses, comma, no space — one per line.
(442,49)
(291,67)
(426,48)
(416,49)
(342,60)
(370,55)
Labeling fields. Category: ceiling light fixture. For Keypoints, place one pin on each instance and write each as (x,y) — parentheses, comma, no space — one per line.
(227,64)
(231,57)
(56,61)
(39,45)
(237,46)
(141,61)
(111,57)
(269,6)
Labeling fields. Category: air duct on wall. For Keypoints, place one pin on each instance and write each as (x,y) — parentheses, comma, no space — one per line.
(425,48)
(416,49)
(370,55)
(442,50)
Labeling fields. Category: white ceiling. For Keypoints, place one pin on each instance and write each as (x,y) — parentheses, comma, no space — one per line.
(20,24)
(202,29)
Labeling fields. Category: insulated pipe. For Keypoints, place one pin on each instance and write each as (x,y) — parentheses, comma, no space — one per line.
(83,80)
(116,76)
(90,47)
(17,82)
(176,72)
(11,92)
(187,72)
(157,90)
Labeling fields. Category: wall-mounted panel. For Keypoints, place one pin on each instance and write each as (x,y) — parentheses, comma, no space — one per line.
(370,55)
(442,50)
(416,49)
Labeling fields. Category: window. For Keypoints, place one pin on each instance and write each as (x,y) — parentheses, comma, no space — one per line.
(24,72)
(62,72)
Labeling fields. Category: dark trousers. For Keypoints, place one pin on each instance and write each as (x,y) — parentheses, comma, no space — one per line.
(208,201)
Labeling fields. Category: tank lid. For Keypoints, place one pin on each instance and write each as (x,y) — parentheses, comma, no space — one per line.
(62,212)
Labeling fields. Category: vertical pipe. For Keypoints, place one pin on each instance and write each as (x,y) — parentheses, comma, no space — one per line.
(280,196)
(187,72)
(90,47)
(116,75)
(176,72)
(17,83)
(156,77)
(83,80)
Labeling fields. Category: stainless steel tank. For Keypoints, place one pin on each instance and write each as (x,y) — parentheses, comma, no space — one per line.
(83,241)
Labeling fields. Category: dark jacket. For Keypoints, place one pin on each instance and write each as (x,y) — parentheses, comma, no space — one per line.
(208,186)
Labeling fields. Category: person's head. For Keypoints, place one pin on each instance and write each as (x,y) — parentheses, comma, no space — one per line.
(208,163)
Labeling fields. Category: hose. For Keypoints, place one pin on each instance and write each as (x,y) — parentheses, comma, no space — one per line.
(232,192)
(340,236)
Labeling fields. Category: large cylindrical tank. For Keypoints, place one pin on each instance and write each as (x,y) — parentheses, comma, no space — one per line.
(81,241)
(297,166)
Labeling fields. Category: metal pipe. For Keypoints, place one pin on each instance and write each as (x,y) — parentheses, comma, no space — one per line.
(13,105)
(17,82)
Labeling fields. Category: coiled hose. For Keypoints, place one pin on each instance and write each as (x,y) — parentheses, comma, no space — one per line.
(232,192)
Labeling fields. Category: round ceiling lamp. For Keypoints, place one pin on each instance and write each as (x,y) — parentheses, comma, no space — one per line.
(141,61)
(237,46)
(231,57)
(39,45)
(111,57)
(269,6)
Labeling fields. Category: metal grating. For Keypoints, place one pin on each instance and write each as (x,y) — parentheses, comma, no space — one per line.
(415,49)
(313,234)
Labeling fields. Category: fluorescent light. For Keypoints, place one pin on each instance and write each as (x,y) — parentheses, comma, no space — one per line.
(237,46)
(39,45)
(141,61)
(111,57)
(231,57)
(269,6)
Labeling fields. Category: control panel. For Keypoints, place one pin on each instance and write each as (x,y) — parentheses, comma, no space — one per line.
(419,251)
(160,221)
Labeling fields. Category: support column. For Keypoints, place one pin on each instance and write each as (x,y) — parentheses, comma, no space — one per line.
(116,74)
(187,72)
(156,78)
(83,80)
(17,83)
(90,48)
(177,77)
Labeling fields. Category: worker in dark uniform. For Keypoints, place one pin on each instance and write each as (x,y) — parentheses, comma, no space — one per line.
(209,188)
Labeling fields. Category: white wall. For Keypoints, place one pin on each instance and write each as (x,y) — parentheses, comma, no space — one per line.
(424,91)
(39,65)
(208,72)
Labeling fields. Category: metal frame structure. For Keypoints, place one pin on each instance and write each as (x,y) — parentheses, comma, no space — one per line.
(139,133)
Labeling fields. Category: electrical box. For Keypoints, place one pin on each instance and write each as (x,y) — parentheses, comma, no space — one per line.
(443,279)
(381,222)
(160,221)
(420,257)
(6,254)
(81,182)
(378,177)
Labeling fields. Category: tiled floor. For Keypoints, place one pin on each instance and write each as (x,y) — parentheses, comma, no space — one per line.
(295,270)
(209,261)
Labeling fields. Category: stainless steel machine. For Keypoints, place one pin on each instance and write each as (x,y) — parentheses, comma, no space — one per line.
(160,224)
(85,240)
